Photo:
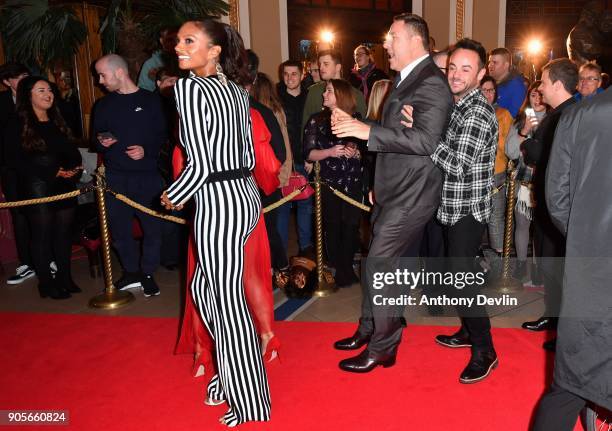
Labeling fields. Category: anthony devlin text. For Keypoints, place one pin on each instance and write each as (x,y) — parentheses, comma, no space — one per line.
(504,300)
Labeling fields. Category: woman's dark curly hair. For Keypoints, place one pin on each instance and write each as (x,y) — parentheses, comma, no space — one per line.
(30,140)
(233,55)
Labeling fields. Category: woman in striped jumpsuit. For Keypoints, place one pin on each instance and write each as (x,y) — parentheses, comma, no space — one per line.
(215,130)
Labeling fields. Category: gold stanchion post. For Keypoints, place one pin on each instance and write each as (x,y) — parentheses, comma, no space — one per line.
(111,298)
(323,287)
(507,283)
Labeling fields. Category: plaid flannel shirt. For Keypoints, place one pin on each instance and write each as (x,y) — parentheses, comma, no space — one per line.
(466,156)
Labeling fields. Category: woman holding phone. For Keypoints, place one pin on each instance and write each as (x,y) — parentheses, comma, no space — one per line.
(48,163)
(342,169)
(531,113)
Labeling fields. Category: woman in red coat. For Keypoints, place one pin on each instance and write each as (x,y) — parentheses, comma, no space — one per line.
(194,338)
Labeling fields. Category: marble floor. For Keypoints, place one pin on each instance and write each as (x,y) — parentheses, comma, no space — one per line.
(341,306)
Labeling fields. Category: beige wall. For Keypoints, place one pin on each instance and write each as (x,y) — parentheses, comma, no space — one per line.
(437,15)
(485,23)
(264,20)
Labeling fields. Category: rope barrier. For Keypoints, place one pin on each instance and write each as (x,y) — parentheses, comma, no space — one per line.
(367,208)
(285,199)
(180,220)
(46,200)
(146,210)
(348,199)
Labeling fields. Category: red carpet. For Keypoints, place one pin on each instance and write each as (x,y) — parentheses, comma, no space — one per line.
(118,373)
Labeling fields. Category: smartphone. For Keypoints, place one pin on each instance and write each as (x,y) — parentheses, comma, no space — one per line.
(106,135)
(530,112)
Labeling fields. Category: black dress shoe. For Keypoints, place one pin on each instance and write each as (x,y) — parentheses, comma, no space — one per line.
(52,291)
(352,343)
(479,367)
(365,362)
(542,324)
(73,288)
(550,345)
(458,339)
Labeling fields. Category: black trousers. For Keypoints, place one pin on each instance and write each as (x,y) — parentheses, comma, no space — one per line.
(341,235)
(21,227)
(462,243)
(549,251)
(52,231)
(278,254)
(396,231)
(558,410)
(432,251)
(144,188)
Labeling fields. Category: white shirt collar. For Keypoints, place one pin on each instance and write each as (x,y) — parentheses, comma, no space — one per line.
(406,70)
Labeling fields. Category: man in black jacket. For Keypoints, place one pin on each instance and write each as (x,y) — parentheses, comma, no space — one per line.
(559,80)
(129,129)
(293,98)
(365,73)
(578,196)
(10,75)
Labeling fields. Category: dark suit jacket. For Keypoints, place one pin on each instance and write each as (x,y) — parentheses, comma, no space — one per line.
(7,112)
(405,174)
(537,152)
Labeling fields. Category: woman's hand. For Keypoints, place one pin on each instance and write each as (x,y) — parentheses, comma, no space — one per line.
(351,152)
(337,151)
(338,115)
(308,167)
(530,124)
(408,112)
(169,205)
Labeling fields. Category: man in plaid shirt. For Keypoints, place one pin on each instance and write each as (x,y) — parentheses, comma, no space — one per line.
(466,156)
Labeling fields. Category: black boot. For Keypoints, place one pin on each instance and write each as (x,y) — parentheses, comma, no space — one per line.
(65,280)
(52,290)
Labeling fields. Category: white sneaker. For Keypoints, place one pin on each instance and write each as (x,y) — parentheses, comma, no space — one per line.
(22,273)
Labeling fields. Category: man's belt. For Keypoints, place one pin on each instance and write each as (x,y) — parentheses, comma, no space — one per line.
(232,174)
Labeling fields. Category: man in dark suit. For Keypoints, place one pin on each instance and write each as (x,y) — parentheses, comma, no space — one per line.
(10,75)
(407,185)
(578,196)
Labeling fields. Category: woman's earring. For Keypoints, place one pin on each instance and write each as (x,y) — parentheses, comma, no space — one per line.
(220,74)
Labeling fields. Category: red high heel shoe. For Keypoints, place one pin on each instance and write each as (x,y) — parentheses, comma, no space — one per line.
(272,349)
(200,365)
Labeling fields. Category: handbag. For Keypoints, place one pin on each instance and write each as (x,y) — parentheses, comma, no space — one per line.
(297,181)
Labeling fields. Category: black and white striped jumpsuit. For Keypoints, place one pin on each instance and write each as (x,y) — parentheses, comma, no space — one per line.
(215,129)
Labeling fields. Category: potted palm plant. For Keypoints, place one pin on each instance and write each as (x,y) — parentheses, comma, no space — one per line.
(129,26)
(38,34)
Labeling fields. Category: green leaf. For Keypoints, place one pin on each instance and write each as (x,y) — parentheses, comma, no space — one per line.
(173,13)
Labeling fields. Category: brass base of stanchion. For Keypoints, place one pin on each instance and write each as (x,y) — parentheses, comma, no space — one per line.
(111,300)
(507,285)
(324,288)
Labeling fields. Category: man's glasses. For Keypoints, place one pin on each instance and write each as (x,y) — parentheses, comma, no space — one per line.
(488,90)
(590,78)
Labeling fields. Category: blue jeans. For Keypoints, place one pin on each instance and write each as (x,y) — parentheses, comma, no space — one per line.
(304,218)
